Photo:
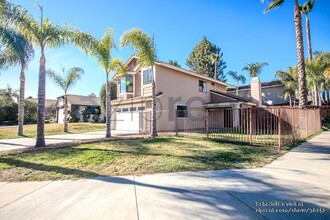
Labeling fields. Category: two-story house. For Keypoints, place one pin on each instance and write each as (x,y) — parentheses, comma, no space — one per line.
(176,89)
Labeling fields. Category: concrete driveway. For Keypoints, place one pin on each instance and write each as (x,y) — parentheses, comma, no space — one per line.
(296,186)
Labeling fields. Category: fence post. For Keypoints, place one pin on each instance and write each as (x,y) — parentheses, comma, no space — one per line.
(207,123)
(279,128)
(250,125)
(293,125)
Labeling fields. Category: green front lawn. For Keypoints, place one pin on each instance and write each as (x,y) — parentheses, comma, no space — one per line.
(9,132)
(133,157)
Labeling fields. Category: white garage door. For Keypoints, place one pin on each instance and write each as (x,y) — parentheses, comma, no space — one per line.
(60,116)
(127,121)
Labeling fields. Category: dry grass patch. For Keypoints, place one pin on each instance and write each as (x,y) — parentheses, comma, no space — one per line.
(9,132)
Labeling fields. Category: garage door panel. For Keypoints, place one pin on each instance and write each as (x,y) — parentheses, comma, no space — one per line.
(127,121)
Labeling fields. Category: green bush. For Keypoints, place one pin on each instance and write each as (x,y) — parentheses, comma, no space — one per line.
(8,113)
(30,112)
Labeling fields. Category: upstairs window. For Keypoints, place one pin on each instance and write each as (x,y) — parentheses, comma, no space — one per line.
(202,86)
(147,77)
(129,83)
(126,84)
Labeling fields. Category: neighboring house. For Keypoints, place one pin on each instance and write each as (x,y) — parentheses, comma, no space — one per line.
(50,107)
(80,109)
(271,93)
(176,89)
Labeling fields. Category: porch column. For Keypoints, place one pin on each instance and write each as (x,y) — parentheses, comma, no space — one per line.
(235,108)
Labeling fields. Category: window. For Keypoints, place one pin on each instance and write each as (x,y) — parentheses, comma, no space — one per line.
(202,86)
(126,84)
(118,110)
(129,83)
(125,109)
(182,111)
(141,108)
(133,109)
(147,77)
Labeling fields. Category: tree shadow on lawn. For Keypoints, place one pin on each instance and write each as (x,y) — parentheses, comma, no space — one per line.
(49,168)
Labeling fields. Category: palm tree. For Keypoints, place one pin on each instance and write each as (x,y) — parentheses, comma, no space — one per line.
(316,71)
(305,9)
(214,59)
(254,69)
(144,45)
(8,94)
(17,52)
(289,79)
(237,78)
(300,48)
(102,50)
(42,34)
(65,80)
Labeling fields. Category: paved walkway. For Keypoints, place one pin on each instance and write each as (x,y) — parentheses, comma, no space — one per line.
(297,186)
(26,143)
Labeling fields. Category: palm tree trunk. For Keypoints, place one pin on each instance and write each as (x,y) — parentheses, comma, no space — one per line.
(290,101)
(21,102)
(236,87)
(316,99)
(41,100)
(322,90)
(215,70)
(309,43)
(154,108)
(108,108)
(65,120)
(300,57)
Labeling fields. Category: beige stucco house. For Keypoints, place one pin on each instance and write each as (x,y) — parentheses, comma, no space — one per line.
(176,89)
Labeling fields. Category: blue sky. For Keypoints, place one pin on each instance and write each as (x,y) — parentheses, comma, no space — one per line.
(238,27)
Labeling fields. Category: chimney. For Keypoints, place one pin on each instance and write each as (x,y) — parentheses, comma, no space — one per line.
(256,91)
(92,95)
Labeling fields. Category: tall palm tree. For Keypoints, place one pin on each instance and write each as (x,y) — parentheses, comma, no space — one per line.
(254,69)
(146,52)
(289,79)
(300,48)
(102,50)
(238,78)
(65,80)
(306,9)
(44,34)
(214,59)
(17,52)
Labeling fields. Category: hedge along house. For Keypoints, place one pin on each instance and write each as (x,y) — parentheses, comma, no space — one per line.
(177,89)
(80,109)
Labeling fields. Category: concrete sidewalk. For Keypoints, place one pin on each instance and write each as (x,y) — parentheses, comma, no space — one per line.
(7,145)
(296,186)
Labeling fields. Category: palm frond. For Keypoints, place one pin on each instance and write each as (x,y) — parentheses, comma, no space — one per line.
(17,50)
(57,78)
(241,78)
(307,7)
(273,4)
(233,74)
(73,75)
(142,43)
